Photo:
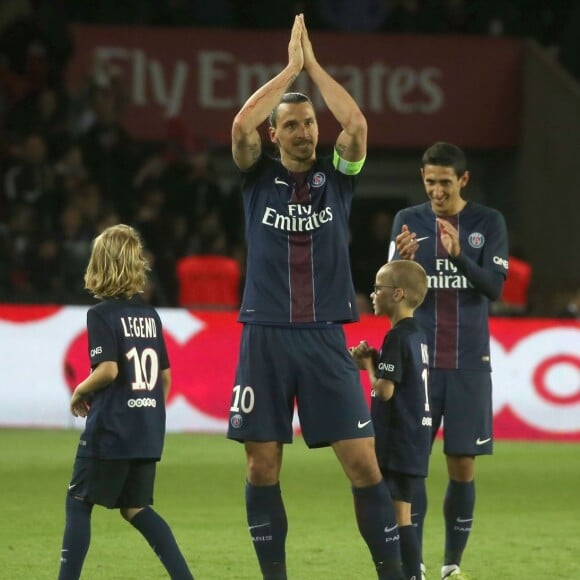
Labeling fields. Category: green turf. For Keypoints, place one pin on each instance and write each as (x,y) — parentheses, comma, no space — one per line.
(527,523)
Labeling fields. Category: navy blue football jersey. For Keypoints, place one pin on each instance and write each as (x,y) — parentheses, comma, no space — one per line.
(298,267)
(403,423)
(126,419)
(454,315)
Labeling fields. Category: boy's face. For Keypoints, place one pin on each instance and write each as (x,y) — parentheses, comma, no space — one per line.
(384,295)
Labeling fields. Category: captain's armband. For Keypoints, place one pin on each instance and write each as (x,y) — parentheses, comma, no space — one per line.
(347,167)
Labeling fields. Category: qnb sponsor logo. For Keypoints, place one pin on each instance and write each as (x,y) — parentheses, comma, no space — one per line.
(142,402)
(300,218)
(97,350)
(386,367)
(500,262)
(427,421)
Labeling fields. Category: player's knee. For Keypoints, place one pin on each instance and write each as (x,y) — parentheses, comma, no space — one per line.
(262,471)
(461,467)
(264,462)
(129,513)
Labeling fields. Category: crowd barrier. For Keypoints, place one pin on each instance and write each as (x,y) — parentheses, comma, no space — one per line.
(43,355)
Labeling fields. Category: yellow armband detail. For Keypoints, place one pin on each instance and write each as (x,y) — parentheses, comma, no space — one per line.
(347,167)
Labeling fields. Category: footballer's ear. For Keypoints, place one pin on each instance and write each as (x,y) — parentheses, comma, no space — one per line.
(272,133)
(464,179)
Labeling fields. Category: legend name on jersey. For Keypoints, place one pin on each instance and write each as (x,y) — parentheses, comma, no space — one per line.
(300,218)
(139,326)
(446,276)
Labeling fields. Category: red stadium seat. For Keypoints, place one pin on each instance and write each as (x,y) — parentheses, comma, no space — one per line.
(515,288)
(208,281)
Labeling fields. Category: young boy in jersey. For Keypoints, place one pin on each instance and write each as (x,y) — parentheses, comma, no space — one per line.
(400,396)
(123,399)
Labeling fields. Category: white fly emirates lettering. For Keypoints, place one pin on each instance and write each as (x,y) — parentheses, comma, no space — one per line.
(300,218)
(225,81)
(447,276)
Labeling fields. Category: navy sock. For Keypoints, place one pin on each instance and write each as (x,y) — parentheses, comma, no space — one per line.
(375,516)
(76,538)
(268,527)
(160,537)
(419,509)
(458,512)
(410,552)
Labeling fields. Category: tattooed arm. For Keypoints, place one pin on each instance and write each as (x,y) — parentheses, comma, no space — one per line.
(351,144)
(246,141)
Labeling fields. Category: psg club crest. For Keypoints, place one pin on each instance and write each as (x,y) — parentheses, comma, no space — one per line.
(318,179)
(236,421)
(476,240)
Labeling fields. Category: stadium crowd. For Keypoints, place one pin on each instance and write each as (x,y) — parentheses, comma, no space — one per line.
(69,167)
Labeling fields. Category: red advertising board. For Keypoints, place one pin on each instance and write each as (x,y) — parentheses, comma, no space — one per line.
(414,90)
(536,369)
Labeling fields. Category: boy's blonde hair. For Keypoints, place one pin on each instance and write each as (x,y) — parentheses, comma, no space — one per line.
(410,276)
(117,266)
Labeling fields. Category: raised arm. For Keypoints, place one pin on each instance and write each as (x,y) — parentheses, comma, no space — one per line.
(351,143)
(246,141)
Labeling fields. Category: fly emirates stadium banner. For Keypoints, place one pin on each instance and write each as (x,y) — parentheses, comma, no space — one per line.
(414,90)
(44,355)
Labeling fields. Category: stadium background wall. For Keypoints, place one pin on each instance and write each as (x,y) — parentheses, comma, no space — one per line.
(536,369)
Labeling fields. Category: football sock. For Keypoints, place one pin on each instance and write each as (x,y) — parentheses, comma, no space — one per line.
(160,537)
(410,553)
(458,511)
(377,523)
(419,508)
(76,538)
(268,527)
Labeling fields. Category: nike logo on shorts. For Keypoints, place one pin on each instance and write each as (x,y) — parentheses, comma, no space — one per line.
(482,441)
(362,425)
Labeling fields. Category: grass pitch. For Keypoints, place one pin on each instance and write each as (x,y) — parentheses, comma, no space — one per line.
(526,522)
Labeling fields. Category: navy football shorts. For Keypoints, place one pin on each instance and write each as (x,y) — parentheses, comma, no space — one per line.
(279,367)
(401,486)
(463,399)
(114,483)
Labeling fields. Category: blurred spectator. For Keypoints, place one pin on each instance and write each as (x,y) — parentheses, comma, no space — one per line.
(261,13)
(18,245)
(109,152)
(74,236)
(29,179)
(45,112)
(569,306)
(348,16)
(569,54)
(369,249)
(411,17)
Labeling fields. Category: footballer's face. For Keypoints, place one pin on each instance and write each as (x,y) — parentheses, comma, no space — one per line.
(443,188)
(296,134)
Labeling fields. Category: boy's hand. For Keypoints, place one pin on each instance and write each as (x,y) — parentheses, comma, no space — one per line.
(79,406)
(363,355)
